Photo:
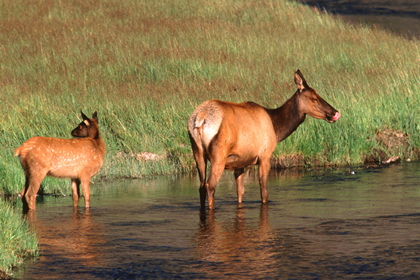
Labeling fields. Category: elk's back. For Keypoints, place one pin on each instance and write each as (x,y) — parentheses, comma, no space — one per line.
(62,157)
(245,130)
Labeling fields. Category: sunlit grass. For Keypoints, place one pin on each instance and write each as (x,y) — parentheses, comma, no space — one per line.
(16,241)
(145,66)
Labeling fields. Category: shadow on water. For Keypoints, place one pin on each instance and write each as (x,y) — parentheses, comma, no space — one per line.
(398,16)
(321,224)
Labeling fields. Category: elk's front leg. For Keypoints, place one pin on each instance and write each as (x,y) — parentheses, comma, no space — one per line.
(240,187)
(264,169)
(86,190)
(75,191)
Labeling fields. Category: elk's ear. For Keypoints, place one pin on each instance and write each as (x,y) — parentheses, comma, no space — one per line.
(300,81)
(95,116)
(84,117)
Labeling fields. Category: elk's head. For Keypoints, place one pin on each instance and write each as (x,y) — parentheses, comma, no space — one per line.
(87,128)
(311,103)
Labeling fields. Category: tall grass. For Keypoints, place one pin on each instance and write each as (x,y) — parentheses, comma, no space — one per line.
(16,241)
(145,66)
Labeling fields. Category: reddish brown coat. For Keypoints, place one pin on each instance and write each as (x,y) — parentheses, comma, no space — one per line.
(233,136)
(78,159)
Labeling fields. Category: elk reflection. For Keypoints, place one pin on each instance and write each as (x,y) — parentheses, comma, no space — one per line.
(244,245)
(77,237)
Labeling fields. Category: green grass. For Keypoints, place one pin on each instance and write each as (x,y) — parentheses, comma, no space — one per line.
(17,241)
(145,66)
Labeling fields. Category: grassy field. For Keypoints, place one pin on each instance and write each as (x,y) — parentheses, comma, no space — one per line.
(145,65)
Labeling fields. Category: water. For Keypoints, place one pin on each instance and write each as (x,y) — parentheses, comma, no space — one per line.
(323,224)
(399,16)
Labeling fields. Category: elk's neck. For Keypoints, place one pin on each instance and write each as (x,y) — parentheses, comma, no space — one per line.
(287,118)
(100,142)
(101,145)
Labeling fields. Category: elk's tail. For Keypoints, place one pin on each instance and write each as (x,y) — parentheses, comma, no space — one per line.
(205,122)
(18,151)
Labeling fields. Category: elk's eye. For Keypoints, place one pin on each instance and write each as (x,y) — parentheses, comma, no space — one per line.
(314,99)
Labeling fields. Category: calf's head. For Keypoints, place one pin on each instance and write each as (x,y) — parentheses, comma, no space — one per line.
(87,128)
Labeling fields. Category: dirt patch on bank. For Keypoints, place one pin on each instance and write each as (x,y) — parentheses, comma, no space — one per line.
(393,144)
(287,161)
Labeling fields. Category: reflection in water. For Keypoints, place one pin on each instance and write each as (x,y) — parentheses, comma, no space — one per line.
(322,224)
(75,236)
(235,245)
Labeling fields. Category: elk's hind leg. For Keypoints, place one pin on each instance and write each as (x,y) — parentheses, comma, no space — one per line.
(216,172)
(201,164)
(22,194)
(32,185)
(201,167)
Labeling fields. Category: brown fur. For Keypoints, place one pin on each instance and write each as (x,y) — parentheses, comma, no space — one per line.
(78,159)
(233,136)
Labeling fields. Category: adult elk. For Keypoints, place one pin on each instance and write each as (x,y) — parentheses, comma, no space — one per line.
(79,159)
(233,136)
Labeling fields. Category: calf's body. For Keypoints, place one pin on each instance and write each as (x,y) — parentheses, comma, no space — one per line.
(78,159)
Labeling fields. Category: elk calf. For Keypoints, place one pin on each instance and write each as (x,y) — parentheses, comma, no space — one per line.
(233,136)
(79,159)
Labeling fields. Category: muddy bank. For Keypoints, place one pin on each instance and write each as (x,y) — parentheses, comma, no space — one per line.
(391,144)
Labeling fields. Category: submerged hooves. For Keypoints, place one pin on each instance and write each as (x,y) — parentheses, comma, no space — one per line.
(240,205)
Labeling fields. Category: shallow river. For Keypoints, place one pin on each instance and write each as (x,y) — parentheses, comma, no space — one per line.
(323,224)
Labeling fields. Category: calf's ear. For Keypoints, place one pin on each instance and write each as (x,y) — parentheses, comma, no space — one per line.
(84,117)
(95,116)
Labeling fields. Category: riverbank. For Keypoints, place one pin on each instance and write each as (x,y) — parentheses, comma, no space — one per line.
(17,242)
(144,66)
